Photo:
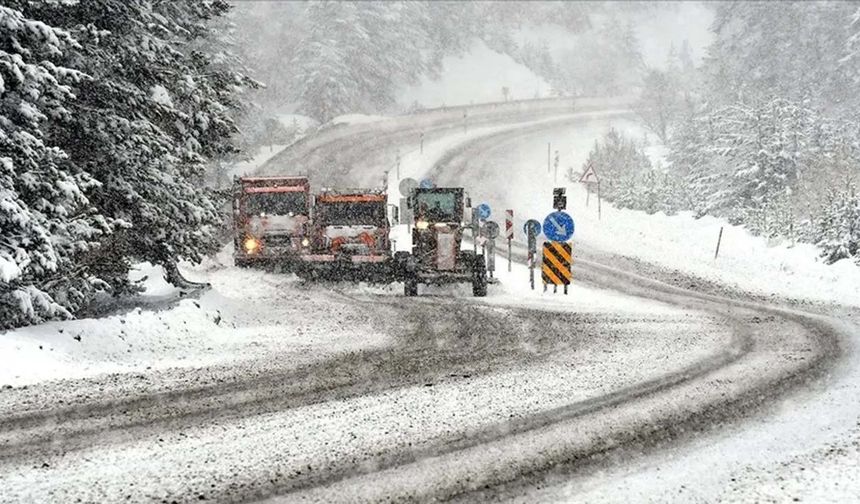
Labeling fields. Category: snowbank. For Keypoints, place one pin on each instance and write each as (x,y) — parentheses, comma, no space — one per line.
(247,314)
(357,119)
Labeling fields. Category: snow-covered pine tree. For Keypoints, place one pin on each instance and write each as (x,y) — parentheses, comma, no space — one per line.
(46,222)
(792,50)
(357,53)
(838,226)
(144,125)
(660,102)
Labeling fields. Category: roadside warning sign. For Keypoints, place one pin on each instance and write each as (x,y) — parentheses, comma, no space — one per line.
(589,175)
(509,224)
(556,263)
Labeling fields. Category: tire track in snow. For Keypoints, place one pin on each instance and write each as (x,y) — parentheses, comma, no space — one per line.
(408,474)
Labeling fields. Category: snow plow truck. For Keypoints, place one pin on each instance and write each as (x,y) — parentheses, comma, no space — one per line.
(271,217)
(350,237)
(437,236)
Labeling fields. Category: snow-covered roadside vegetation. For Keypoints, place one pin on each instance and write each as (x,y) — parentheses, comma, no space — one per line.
(765,132)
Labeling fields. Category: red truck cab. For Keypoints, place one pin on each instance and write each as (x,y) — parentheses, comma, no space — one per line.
(350,237)
(271,218)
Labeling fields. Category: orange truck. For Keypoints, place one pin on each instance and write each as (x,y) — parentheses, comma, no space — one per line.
(271,217)
(350,237)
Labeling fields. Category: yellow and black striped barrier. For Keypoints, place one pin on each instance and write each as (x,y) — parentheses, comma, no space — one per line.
(557,259)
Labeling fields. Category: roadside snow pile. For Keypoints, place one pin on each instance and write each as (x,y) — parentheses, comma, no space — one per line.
(247,314)
(476,77)
(136,340)
(357,119)
(745,261)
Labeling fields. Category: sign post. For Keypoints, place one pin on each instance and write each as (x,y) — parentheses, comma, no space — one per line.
(598,200)
(490,231)
(397,163)
(479,213)
(532,230)
(547,157)
(475,226)
(557,255)
(509,233)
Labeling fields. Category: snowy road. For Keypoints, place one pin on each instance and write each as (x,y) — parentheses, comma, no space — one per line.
(435,398)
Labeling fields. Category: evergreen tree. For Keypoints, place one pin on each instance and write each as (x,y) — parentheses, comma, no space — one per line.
(356,54)
(838,226)
(46,221)
(155,110)
(793,50)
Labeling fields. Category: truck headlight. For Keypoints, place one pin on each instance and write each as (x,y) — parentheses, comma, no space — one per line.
(251,244)
(422,225)
(306,242)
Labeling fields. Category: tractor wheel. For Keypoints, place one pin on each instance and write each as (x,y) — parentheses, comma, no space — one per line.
(479,277)
(410,286)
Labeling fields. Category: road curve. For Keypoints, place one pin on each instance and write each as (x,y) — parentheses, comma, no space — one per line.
(770,351)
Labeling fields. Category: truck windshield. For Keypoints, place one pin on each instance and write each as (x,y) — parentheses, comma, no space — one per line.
(276,203)
(437,206)
(352,213)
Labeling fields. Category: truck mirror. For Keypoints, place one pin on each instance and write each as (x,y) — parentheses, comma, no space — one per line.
(468,201)
(394,215)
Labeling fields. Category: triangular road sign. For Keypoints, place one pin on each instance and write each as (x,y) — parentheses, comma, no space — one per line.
(589,175)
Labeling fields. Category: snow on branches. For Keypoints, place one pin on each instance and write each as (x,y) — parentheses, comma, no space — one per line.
(106,124)
(45,218)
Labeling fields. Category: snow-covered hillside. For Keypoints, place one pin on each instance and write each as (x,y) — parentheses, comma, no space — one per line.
(475,77)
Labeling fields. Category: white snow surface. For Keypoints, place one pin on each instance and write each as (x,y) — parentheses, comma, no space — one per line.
(250,313)
(475,77)
(160,95)
(261,156)
(357,119)
(247,314)
(680,242)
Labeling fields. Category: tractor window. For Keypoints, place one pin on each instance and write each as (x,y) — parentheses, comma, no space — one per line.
(437,206)
(352,213)
(276,203)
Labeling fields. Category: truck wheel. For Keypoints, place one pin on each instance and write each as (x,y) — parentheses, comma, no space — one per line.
(241,263)
(400,266)
(479,277)
(410,286)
